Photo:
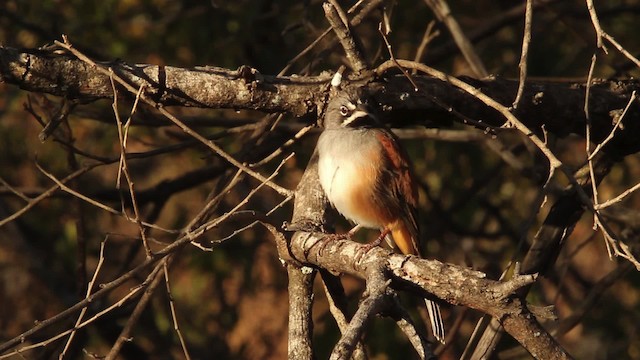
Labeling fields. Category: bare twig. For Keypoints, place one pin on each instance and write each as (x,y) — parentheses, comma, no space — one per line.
(14,191)
(338,307)
(591,299)
(618,198)
(213,223)
(153,281)
(174,316)
(429,35)
(370,305)
(337,18)
(355,21)
(61,184)
(526,39)
(191,233)
(554,162)
(35,201)
(134,292)
(393,58)
(282,191)
(123,136)
(442,11)
(284,146)
(601,34)
(84,310)
(65,109)
(587,115)
(615,127)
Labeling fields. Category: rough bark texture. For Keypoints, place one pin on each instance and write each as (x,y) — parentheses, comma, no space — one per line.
(559,106)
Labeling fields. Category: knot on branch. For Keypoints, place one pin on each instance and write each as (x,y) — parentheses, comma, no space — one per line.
(503,290)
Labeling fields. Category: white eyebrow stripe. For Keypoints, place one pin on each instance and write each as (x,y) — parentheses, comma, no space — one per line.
(356,115)
(351,106)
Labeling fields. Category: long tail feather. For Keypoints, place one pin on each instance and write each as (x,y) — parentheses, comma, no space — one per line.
(437,325)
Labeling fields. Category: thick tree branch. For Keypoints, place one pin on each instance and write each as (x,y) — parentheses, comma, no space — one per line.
(454,284)
(300,344)
(66,76)
(557,106)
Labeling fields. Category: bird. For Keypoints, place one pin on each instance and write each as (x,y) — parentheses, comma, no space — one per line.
(368,178)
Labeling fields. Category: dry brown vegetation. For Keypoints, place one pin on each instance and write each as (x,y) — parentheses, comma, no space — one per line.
(141,206)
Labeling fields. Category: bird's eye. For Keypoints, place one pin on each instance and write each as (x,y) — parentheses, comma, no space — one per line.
(344,111)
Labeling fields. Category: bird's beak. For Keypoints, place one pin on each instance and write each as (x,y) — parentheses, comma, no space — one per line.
(361,112)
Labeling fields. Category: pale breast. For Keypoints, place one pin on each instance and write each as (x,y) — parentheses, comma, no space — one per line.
(348,174)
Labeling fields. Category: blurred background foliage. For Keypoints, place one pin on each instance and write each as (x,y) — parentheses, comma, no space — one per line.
(232,302)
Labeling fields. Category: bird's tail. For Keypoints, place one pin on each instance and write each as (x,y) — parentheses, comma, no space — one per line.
(435,318)
(406,241)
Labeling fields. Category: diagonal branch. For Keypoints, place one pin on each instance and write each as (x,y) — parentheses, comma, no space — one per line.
(442,11)
(340,24)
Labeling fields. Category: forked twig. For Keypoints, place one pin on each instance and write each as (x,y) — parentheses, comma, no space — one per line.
(89,290)
(218,150)
(442,11)
(393,58)
(61,185)
(35,201)
(601,34)
(123,168)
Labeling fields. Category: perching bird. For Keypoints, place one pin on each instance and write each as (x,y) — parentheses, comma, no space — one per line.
(368,178)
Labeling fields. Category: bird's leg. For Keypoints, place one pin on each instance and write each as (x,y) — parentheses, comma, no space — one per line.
(331,237)
(344,236)
(367,247)
(383,234)
(354,230)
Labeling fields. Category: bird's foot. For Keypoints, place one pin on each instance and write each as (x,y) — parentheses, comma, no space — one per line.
(322,243)
(367,247)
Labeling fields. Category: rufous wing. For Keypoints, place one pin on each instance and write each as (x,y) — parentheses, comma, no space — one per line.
(404,193)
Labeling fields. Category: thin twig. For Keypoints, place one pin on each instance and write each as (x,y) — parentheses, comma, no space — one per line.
(213,223)
(393,58)
(17,193)
(336,298)
(596,25)
(429,35)
(282,191)
(89,321)
(174,316)
(615,127)
(182,240)
(618,198)
(587,116)
(337,18)
(284,146)
(355,21)
(554,162)
(442,11)
(601,34)
(123,168)
(63,187)
(35,201)
(153,281)
(89,290)
(369,306)
(526,39)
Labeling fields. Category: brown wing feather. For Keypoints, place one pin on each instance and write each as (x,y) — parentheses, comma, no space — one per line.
(402,184)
